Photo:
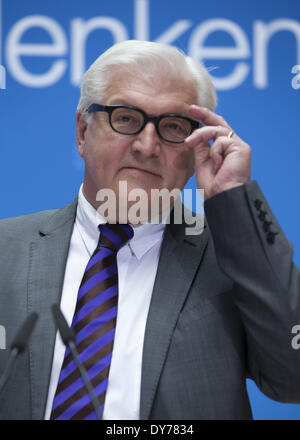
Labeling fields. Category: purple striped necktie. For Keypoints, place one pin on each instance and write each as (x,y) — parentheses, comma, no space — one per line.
(94,324)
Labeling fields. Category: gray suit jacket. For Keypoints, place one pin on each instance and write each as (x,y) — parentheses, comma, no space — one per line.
(223,306)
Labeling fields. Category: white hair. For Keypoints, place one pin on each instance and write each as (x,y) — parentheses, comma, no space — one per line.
(132,56)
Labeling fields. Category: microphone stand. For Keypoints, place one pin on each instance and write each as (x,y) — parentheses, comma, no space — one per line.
(18,345)
(11,360)
(86,380)
(68,338)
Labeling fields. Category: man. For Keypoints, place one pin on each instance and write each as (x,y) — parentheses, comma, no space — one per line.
(196,314)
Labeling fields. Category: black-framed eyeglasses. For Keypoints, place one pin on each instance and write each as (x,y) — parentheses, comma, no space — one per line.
(129,120)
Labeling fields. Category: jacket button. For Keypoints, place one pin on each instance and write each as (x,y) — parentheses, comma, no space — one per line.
(271,237)
(266,225)
(262,215)
(257,204)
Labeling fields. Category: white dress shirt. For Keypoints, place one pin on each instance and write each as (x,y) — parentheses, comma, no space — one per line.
(137,266)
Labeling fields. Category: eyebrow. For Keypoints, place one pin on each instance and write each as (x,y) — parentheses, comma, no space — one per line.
(124,102)
(120,103)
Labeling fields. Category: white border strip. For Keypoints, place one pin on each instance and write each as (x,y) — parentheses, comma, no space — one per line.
(0,32)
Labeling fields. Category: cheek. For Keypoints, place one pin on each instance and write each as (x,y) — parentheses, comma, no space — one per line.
(103,153)
(95,147)
(182,165)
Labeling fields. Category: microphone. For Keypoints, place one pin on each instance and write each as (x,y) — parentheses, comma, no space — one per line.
(68,337)
(18,345)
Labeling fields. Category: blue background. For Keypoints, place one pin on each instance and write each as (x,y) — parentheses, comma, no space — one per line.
(40,167)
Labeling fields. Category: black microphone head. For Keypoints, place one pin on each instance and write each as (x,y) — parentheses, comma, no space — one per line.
(67,334)
(20,340)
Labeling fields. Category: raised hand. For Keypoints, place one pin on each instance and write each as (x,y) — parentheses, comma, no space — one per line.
(224,165)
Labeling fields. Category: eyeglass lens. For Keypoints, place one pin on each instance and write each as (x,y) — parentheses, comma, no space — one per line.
(129,121)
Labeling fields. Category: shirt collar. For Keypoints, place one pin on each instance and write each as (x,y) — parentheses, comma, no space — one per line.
(87,220)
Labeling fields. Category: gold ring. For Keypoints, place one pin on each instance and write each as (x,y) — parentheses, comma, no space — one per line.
(230,134)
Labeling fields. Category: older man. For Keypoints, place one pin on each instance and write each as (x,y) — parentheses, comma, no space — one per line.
(168,325)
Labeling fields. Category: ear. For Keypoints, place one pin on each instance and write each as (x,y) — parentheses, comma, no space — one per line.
(81,127)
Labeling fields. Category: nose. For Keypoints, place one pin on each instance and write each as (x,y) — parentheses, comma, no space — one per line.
(147,141)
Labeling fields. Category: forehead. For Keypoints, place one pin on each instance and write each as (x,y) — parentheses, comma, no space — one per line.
(154,93)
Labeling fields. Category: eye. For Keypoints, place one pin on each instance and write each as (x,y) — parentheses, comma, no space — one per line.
(125,118)
(173,126)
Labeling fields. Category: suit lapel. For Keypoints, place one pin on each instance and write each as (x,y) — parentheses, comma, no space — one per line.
(48,256)
(179,260)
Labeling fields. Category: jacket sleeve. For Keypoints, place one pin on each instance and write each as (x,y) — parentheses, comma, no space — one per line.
(253,251)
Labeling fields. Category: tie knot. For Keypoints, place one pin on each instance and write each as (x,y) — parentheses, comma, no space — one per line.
(114,236)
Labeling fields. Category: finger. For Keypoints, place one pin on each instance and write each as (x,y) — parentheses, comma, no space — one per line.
(219,150)
(206,116)
(205,134)
(202,154)
(205,168)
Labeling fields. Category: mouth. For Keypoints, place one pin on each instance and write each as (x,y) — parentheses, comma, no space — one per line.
(141,170)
